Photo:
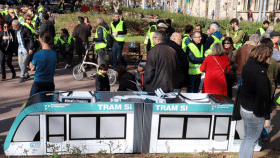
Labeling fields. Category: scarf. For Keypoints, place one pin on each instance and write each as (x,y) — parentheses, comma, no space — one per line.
(7,38)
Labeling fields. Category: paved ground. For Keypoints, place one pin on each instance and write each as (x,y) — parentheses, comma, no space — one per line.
(13,94)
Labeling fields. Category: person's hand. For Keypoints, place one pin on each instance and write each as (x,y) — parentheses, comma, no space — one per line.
(115,34)
(30,52)
(267,123)
(227,32)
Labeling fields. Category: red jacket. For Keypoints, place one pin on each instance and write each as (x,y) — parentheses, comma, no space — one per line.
(215,79)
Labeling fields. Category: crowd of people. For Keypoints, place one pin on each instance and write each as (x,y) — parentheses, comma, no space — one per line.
(174,60)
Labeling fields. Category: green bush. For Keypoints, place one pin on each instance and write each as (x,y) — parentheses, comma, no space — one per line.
(181,20)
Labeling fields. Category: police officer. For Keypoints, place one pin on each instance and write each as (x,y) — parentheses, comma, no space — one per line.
(119,31)
(100,39)
(262,30)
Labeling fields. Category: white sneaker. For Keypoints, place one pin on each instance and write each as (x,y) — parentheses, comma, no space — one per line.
(67,65)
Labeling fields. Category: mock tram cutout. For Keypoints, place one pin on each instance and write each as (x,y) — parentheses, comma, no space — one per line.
(123,122)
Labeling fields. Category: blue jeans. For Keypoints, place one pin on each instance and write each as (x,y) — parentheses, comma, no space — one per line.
(239,81)
(253,127)
(117,53)
(193,87)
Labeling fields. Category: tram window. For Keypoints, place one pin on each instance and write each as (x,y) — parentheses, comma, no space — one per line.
(28,130)
(56,125)
(171,127)
(56,139)
(112,127)
(198,127)
(220,138)
(221,126)
(83,127)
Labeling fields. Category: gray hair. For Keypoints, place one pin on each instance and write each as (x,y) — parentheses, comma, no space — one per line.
(192,35)
(215,27)
(16,22)
(116,13)
(160,34)
(218,49)
(254,38)
(100,20)
(266,34)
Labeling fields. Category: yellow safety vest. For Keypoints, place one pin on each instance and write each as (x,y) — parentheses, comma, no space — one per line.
(184,46)
(262,31)
(62,41)
(194,69)
(100,45)
(119,27)
(239,44)
(4,13)
(152,39)
(149,33)
(216,40)
(61,7)
(41,9)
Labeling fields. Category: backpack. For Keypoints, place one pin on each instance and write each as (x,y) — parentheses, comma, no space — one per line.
(110,40)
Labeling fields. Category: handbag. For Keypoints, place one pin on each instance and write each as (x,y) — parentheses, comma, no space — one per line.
(220,66)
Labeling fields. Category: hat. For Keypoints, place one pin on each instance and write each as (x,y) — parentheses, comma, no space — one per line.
(274,33)
(162,25)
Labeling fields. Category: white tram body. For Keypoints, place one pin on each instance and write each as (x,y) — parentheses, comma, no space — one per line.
(123,122)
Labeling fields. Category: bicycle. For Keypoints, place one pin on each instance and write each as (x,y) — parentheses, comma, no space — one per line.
(79,71)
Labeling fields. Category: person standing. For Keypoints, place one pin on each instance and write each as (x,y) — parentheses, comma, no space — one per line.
(187,37)
(160,69)
(198,28)
(170,30)
(262,30)
(195,51)
(81,33)
(100,40)
(255,98)
(215,66)
(250,16)
(24,46)
(182,71)
(242,55)
(230,51)
(215,36)
(10,17)
(47,26)
(44,63)
(272,16)
(118,30)
(237,34)
(7,39)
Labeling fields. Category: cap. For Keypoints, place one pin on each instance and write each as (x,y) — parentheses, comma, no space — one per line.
(274,33)
(162,25)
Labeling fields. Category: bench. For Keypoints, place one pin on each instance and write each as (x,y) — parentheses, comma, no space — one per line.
(131,52)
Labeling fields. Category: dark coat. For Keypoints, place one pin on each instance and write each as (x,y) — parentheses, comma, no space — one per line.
(102,83)
(4,44)
(9,19)
(255,91)
(100,33)
(81,34)
(182,78)
(48,26)
(160,69)
(127,82)
(26,36)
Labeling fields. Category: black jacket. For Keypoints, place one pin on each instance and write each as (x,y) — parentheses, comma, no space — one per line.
(6,47)
(160,69)
(100,33)
(9,19)
(26,37)
(255,92)
(127,82)
(169,33)
(102,83)
(182,78)
(48,26)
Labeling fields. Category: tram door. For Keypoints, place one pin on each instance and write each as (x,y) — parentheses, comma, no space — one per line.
(56,133)
(220,137)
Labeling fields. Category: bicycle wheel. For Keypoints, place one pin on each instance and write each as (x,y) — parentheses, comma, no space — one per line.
(112,76)
(78,72)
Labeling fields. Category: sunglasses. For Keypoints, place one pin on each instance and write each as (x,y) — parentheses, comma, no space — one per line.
(227,43)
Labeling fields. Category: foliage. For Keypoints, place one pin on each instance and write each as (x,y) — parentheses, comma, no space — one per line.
(54,151)
(181,20)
